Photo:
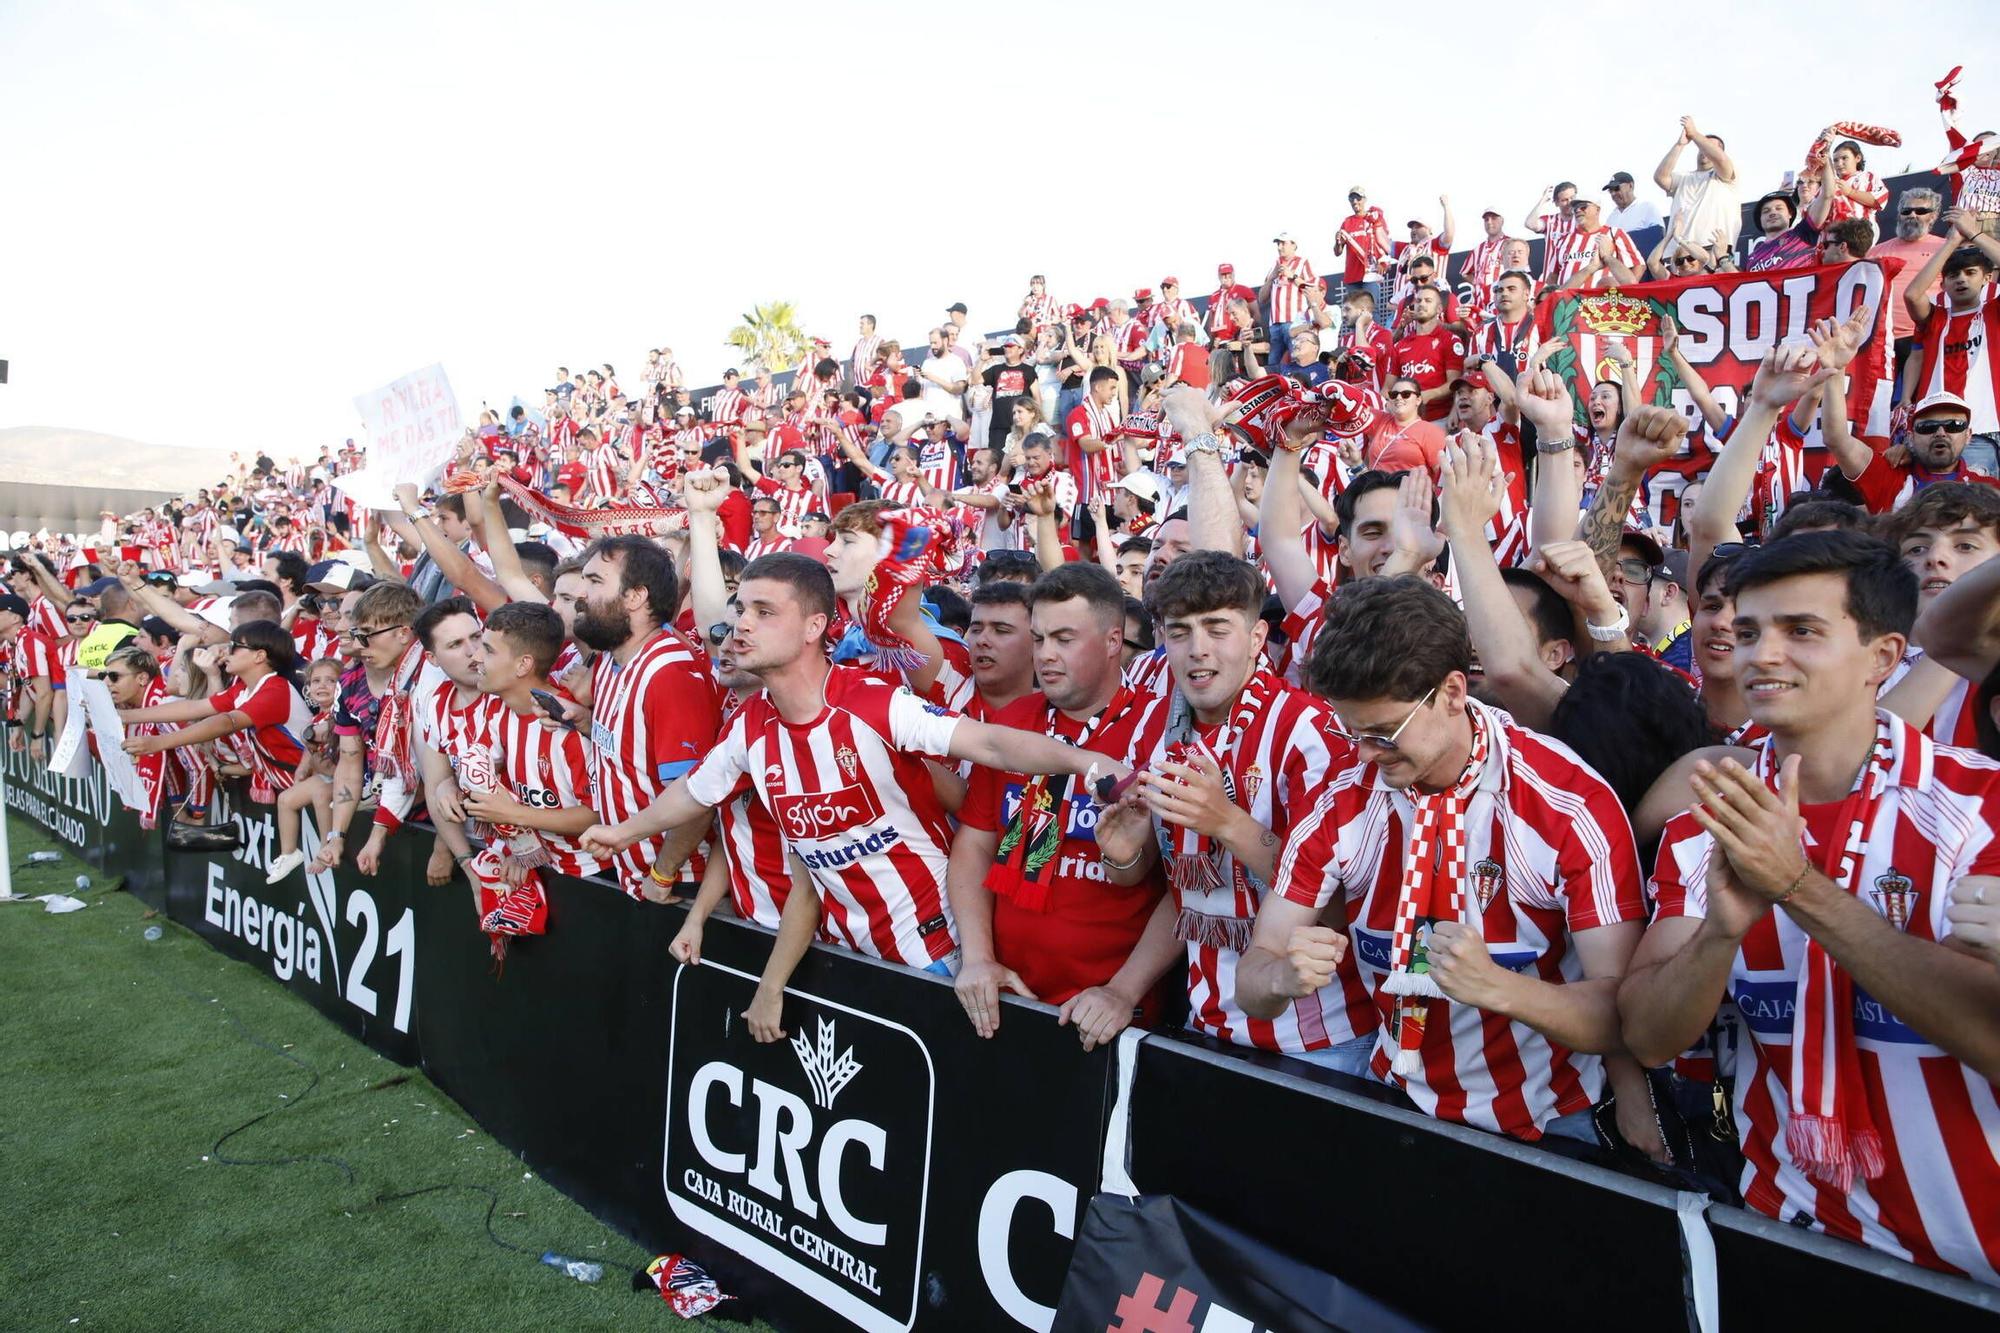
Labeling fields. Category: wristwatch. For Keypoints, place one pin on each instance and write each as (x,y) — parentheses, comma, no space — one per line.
(1205,443)
(1613,632)
(1562,444)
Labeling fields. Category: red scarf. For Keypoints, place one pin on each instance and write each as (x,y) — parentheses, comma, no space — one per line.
(503,909)
(1433,890)
(574,520)
(1036,833)
(913,544)
(394,733)
(1831,1132)
(1195,864)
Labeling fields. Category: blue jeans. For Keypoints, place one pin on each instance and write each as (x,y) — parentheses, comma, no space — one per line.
(945,967)
(1576,1125)
(1349,1057)
(1982,454)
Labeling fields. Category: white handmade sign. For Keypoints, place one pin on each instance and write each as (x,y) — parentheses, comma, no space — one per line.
(413,428)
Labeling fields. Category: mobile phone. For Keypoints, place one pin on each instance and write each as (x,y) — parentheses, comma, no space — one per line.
(553,707)
(1111,790)
(1014,487)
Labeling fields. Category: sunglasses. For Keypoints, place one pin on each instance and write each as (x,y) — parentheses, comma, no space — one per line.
(79,620)
(1378,740)
(362,636)
(1634,571)
(113,677)
(1916,212)
(719,632)
(1689,261)
(1402,393)
(1933,427)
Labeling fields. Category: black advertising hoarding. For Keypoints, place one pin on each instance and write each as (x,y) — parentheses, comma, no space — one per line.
(74,811)
(810,1156)
(348,944)
(1159,1265)
(946,1175)
(1390,1202)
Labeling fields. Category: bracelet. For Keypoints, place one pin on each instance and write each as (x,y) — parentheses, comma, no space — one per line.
(461,859)
(1132,864)
(337,833)
(1205,443)
(1798,881)
(659,879)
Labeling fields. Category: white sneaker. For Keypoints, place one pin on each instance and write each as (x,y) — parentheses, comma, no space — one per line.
(282,866)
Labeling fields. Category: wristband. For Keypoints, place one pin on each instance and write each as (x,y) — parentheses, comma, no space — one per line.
(1132,864)
(1613,632)
(659,879)
(461,859)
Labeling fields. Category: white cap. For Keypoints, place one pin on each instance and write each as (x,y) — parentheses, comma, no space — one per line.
(1941,399)
(1142,484)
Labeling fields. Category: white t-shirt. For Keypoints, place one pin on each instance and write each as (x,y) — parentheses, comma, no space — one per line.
(1638,217)
(1703,203)
(936,399)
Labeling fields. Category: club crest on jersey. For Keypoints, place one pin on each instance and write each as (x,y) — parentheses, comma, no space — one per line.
(1253,779)
(850,762)
(1487,877)
(1896,895)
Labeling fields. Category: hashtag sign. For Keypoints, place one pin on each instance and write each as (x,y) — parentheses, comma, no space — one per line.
(1140,1312)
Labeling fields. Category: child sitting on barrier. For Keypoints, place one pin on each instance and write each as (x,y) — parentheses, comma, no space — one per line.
(313,785)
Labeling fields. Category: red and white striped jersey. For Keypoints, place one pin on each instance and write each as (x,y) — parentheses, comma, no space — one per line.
(1172,314)
(1093,472)
(1288,299)
(1548,853)
(760,546)
(793,505)
(1939,1120)
(1558,225)
(1840,208)
(1956,721)
(760,878)
(1128,340)
(909,493)
(861,362)
(1569,258)
(854,802)
(1512,343)
(1272,770)
(1958,358)
(1148,673)
(1482,270)
(45,617)
(454,727)
(603,474)
(1781,474)
(546,768)
(652,720)
(1303,622)
(1507,530)
(938,461)
(312,640)
(725,406)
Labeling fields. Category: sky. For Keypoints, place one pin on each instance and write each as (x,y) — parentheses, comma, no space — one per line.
(222,221)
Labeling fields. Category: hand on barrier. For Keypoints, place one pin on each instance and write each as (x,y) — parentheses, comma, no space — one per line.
(979,986)
(1098,1014)
(686,947)
(764,1015)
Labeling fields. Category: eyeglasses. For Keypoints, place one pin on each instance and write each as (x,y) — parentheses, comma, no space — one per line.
(1916,212)
(80,619)
(1634,571)
(112,677)
(362,636)
(1933,427)
(235,647)
(1389,741)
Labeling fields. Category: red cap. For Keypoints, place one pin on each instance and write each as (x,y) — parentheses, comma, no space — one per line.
(1170,282)
(1225,268)
(1073,310)
(1143,294)
(1099,304)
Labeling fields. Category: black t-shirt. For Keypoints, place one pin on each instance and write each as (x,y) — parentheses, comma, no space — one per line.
(1010,384)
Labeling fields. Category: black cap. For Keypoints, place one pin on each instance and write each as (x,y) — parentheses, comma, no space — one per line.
(1649,550)
(1673,565)
(1790,200)
(1618,178)
(955,308)
(10,602)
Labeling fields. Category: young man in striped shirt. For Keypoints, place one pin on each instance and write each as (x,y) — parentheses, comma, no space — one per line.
(1867,1100)
(839,758)
(1483,877)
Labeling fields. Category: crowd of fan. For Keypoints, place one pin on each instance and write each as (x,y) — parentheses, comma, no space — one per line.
(1353,747)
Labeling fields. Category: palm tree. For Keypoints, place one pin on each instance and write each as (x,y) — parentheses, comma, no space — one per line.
(769,336)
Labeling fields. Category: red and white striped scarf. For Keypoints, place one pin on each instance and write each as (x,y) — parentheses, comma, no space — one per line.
(1849,129)
(1433,890)
(1195,865)
(582,524)
(395,734)
(1831,1132)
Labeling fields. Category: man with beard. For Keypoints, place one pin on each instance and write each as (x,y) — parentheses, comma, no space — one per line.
(1487,878)
(840,759)
(653,710)
(1508,335)
(998,651)
(1913,245)
(1237,755)
(1036,913)
(983,502)
(1428,353)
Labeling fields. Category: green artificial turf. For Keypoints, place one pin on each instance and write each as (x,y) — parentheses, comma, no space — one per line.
(123,1060)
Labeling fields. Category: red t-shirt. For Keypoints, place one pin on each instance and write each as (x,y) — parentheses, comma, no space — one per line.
(1189,365)
(1365,235)
(1884,486)
(1091,924)
(1431,359)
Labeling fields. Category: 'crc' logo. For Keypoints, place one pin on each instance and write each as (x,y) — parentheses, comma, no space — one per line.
(810,1157)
